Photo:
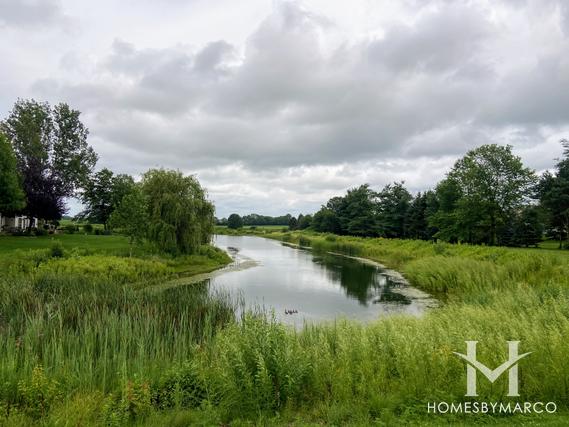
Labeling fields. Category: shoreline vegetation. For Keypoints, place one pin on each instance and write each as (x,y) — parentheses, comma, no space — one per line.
(81,347)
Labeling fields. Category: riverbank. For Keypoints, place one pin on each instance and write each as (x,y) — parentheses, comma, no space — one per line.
(491,295)
(469,268)
(101,256)
(88,349)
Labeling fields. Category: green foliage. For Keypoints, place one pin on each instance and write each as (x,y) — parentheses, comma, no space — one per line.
(420,210)
(180,387)
(304,221)
(71,228)
(133,403)
(39,393)
(264,220)
(57,250)
(40,232)
(528,227)
(12,197)
(492,184)
(103,193)
(120,355)
(480,201)
(325,220)
(131,216)
(114,244)
(234,221)
(445,218)
(52,153)
(180,218)
(86,318)
(363,212)
(394,204)
(553,192)
(293,223)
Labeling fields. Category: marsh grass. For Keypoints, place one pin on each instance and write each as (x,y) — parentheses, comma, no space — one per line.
(89,334)
(102,352)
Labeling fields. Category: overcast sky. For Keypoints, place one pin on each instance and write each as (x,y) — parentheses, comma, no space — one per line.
(278,105)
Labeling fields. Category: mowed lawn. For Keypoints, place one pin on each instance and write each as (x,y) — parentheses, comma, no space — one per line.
(99,244)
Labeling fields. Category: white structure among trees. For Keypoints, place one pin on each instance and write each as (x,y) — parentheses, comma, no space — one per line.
(15,222)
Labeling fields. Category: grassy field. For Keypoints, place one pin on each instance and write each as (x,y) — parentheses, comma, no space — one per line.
(552,244)
(99,244)
(82,346)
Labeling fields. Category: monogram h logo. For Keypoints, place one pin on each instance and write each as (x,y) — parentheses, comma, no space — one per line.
(474,365)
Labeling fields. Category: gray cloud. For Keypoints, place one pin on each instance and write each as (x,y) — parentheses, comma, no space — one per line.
(442,40)
(314,108)
(31,13)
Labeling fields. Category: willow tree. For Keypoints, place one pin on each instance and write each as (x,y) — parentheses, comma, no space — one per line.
(180,218)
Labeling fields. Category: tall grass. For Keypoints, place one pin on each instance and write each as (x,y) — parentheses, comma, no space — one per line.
(87,334)
(455,270)
(393,366)
(119,355)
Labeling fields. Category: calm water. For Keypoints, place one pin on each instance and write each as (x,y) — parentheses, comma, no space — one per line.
(316,286)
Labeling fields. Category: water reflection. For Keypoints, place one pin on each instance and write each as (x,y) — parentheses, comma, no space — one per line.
(314,287)
(362,282)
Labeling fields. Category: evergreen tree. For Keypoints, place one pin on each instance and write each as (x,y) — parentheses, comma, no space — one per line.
(553,192)
(393,206)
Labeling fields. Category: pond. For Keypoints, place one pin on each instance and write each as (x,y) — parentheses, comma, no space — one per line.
(300,285)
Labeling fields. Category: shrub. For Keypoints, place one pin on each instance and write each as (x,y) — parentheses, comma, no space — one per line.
(180,387)
(18,231)
(71,229)
(88,228)
(40,232)
(133,403)
(439,248)
(39,393)
(57,250)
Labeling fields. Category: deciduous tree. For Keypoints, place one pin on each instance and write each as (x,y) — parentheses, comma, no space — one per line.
(52,154)
(12,197)
(234,221)
(131,216)
(493,183)
(103,193)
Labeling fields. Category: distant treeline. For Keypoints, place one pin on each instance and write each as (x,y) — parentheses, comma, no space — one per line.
(255,219)
(488,197)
